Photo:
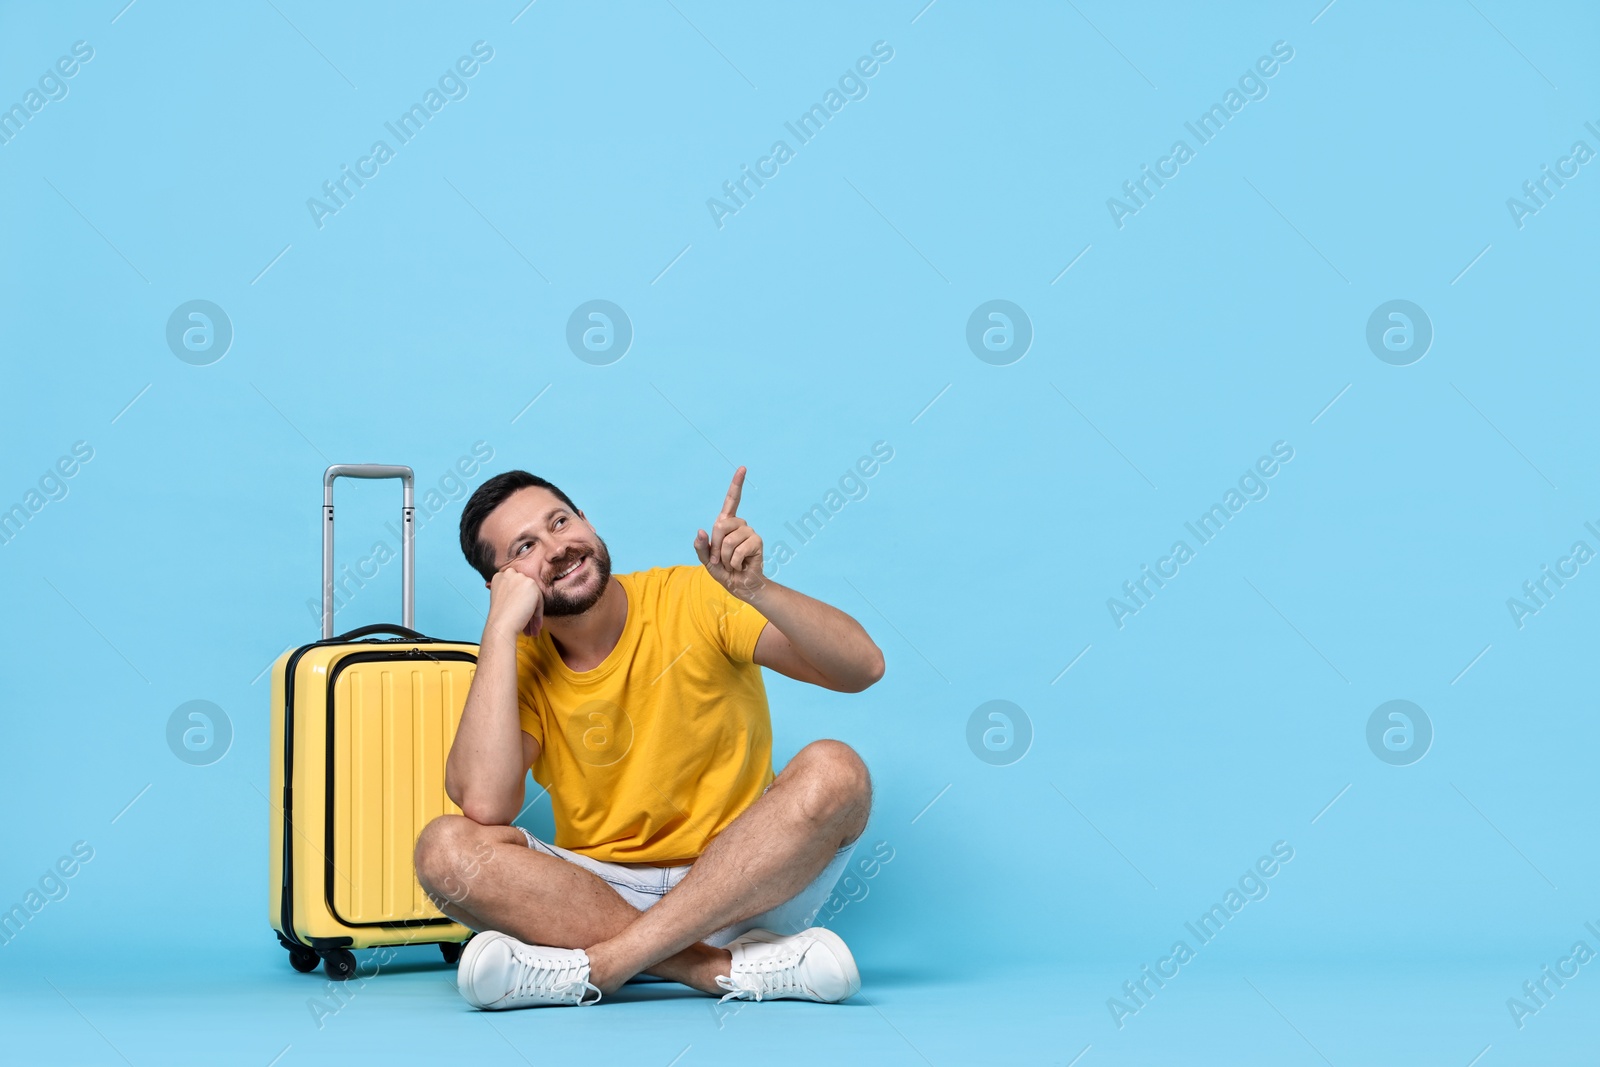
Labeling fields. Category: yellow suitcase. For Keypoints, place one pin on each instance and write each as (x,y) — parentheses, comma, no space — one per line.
(361,727)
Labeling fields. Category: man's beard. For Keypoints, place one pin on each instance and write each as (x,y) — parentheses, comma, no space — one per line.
(557,603)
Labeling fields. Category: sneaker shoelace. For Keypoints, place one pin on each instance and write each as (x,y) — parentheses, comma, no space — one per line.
(551,978)
(770,977)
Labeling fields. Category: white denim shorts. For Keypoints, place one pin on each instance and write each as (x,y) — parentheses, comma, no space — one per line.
(642,884)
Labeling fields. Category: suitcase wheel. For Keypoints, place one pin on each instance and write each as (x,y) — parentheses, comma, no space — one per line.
(303,959)
(451,952)
(339,963)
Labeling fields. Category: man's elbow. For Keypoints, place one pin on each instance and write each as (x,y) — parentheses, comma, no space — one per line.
(871,674)
(486,812)
(457,793)
(483,809)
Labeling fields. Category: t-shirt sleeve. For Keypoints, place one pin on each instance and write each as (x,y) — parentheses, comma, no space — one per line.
(725,620)
(527,708)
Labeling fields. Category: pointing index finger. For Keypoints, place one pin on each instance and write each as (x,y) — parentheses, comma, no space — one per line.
(730,504)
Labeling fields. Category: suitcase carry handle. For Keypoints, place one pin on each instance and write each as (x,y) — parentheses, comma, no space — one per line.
(408,576)
(382,628)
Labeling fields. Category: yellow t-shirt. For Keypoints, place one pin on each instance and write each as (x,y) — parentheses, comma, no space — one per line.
(653,753)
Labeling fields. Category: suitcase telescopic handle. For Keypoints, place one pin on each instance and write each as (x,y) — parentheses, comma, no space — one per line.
(408,573)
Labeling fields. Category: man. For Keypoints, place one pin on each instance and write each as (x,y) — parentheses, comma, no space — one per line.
(637,701)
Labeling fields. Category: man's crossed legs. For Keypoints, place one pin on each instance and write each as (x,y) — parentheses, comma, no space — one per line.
(487,878)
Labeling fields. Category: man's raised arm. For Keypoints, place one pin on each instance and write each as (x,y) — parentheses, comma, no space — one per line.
(814,642)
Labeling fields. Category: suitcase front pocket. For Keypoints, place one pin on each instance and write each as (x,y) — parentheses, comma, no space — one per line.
(391,718)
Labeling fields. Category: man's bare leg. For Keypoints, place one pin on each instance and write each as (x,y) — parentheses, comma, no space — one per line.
(487,878)
(769,853)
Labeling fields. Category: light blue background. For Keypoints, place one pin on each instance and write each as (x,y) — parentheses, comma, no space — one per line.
(823,317)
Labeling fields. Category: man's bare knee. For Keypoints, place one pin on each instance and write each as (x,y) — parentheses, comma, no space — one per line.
(440,842)
(834,782)
(451,851)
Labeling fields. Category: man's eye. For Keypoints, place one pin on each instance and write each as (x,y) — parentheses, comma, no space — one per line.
(524,547)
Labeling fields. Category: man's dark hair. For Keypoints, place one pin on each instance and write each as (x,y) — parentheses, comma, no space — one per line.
(488,496)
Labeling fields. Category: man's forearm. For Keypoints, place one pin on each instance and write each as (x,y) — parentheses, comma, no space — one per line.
(825,637)
(484,773)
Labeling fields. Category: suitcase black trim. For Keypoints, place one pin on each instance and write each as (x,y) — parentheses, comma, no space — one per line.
(328,869)
(286,896)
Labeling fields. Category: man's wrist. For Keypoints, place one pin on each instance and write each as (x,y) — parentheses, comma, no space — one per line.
(498,632)
(749,589)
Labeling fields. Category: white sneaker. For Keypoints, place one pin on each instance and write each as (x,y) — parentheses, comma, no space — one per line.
(497,971)
(811,965)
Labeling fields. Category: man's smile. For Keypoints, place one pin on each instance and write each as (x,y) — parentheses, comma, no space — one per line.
(571,570)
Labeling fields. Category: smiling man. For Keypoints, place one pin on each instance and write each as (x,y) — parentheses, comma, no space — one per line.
(637,701)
